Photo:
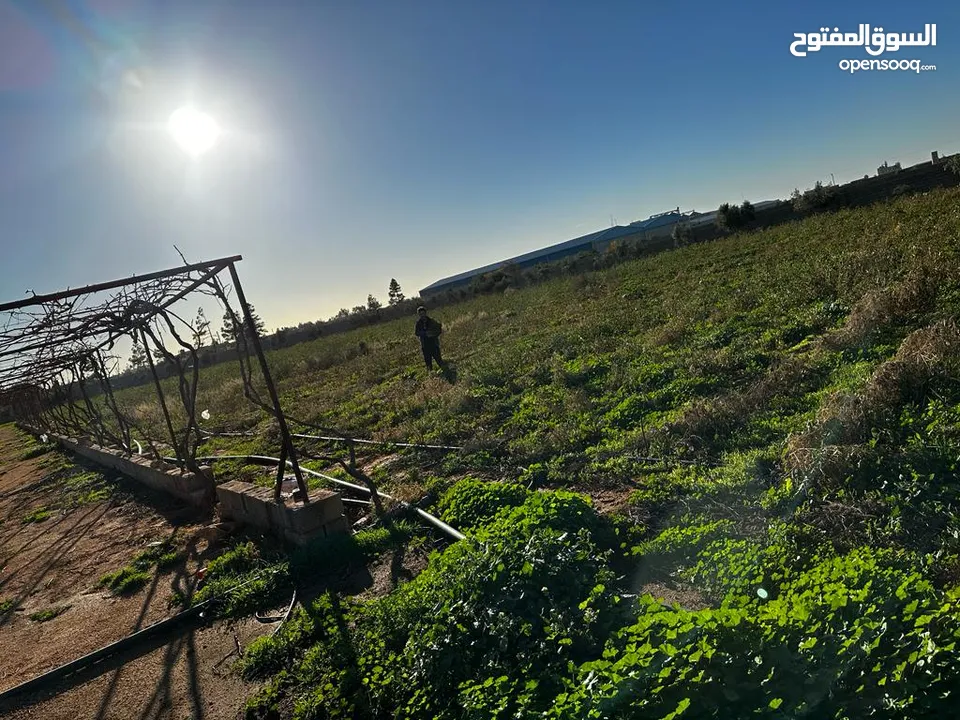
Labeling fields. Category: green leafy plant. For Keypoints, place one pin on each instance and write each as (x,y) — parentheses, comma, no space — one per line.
(49,613)
(36,516)
(131,578)
(471,502)
(125,581)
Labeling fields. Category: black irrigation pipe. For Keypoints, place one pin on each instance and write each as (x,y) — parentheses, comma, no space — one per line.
(340,439)
(436,522)
(50,678)
(354,501)
(278,618)
(668,461)
(378,442)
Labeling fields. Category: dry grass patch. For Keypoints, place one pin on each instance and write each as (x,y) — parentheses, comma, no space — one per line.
(845,419)
(706,419)
(878,310)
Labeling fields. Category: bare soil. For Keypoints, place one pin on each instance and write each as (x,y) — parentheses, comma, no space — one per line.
(390,570)
(672,594)
(58,561)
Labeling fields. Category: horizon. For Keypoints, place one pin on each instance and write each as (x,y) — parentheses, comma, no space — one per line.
(351,154)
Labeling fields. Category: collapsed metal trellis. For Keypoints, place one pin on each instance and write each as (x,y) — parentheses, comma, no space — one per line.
(55,359)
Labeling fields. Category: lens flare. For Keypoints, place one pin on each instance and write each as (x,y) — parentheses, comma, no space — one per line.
(194,131)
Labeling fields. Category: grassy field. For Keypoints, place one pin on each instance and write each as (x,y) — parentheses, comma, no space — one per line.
(782,411)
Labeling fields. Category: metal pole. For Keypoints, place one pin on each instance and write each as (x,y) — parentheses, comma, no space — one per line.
(110,401)
(281,421)
(163,402)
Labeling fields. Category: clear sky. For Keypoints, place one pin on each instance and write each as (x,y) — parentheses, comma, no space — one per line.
(415,139)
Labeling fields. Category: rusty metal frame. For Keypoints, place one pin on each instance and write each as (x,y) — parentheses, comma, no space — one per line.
(64,349)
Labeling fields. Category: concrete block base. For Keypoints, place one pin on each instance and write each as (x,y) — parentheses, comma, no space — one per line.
(296,522)
(196,489)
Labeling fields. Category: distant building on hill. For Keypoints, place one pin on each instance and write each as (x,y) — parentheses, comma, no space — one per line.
(887,169)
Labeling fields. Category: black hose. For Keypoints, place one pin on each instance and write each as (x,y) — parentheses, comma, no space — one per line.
(377,442)
(131,641)
(128,643)
(360,441)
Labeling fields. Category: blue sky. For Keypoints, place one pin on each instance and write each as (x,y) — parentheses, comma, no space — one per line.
(371,139)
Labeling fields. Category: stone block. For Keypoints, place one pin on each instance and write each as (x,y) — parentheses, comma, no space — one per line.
(254,511)
(337,526)
(195,489)
(298,523)
(229,496)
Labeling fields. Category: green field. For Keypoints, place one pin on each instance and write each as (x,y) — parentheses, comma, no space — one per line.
(782,411)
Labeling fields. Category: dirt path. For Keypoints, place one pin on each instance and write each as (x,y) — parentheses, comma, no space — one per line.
(52,554)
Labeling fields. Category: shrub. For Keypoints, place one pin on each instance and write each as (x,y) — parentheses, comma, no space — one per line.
(820,197)
(471,502)
(494,621)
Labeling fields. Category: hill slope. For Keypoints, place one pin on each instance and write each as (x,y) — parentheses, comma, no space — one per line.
(783,408)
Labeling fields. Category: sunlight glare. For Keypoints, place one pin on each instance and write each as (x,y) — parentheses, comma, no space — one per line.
(194,131)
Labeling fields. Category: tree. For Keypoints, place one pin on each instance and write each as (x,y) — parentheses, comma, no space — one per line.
(730,217)
(394,293)
(201,326)
(953,164)
(373,303)
(257,322)
(727,217)
(680,234)
(342,313)
(820,197)
(138,357)
(229,331)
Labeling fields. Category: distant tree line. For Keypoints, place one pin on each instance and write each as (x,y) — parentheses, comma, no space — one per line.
(819,197)
(731,218)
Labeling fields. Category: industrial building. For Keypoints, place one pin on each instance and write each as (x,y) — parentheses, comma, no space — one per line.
(656,226)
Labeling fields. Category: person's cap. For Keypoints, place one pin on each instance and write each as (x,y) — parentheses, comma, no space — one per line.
(421,309)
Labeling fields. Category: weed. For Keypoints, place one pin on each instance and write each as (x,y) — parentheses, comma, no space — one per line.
(125,581)
(36,516)
(131,578)
(161,554)
(36,451)
(49,613)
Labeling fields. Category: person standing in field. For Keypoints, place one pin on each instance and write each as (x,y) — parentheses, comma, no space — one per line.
(428,330)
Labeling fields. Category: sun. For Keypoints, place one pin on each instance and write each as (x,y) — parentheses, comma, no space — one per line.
(194,131)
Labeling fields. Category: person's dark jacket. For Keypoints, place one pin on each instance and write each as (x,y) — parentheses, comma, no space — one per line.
(428,329)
